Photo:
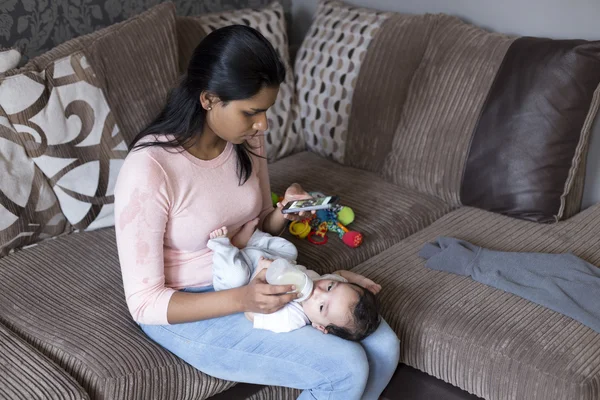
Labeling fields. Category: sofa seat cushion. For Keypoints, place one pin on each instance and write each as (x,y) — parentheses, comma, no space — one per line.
(385,213)
(25,373)
(486,341)
(66,297)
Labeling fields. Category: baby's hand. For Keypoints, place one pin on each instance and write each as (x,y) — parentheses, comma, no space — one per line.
(371,286)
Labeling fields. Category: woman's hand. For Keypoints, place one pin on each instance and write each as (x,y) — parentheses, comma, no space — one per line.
(262,298)
(293,193)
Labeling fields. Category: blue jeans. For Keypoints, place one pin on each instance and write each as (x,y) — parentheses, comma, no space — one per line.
(326,366)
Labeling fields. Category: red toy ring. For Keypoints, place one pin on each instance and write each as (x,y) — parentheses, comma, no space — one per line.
(323,240)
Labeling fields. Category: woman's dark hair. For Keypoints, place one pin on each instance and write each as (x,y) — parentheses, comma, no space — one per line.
(365,316)
(232,63)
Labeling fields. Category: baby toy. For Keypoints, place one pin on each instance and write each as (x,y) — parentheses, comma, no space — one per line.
(315,227)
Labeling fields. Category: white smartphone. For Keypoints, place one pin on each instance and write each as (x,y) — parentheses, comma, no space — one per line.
(321,203)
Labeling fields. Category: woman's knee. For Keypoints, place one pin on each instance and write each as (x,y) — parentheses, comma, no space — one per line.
(383,346)
(393,355)
(349,368)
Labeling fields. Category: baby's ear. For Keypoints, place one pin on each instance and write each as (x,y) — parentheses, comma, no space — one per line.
(319,327)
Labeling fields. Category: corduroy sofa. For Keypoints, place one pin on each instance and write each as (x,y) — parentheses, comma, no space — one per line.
(423,124)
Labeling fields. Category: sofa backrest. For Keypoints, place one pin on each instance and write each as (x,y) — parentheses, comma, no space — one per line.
(419,100)
(34,27)
(78,106)
(66,118)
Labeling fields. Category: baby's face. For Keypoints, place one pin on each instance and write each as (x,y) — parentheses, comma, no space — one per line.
(331,303)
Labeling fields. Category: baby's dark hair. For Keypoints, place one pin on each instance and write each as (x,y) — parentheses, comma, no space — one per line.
(365,318)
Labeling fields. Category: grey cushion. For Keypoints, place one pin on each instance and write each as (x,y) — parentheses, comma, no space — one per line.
(488,342)
(385,213)
(25,373)
(66,297)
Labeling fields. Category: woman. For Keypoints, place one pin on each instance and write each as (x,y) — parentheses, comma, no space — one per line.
(200,166)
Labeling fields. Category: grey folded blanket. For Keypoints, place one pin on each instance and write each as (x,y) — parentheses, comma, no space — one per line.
(562,282)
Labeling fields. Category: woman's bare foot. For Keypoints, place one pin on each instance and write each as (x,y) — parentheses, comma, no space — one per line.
(218,233)
(241,239)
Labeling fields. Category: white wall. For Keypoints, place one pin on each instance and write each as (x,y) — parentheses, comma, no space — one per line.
(560,19)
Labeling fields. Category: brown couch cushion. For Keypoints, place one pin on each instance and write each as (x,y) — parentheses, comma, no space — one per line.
(281,139)
(74,311)
(135,60)
(385,213)
(534,130)
(66,125)
(189,33)
(441,109)
(137,63)
(488,342)
(25,373)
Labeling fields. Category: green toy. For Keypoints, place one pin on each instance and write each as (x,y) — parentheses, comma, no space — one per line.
(274,199)
(345,216)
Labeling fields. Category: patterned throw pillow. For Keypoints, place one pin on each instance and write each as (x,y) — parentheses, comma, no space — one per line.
(9,59)
(327,67)
(29,210)
(270,21)
(68,129)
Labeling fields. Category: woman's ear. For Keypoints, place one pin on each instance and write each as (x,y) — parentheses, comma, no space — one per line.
(208,100)
(319,327)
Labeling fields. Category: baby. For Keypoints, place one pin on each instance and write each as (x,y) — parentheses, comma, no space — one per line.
(342,303)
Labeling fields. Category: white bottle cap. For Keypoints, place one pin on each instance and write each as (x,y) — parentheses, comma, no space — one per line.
(306,291)
(280,267)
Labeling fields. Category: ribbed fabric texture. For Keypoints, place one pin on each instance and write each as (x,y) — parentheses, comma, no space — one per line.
(25,374)
(189,35)
(382,87)
(385,213)
(571,198)
(65,297)
(441,110)
(137,61)
(488,342)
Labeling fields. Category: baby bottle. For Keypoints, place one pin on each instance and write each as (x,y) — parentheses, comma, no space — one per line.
(282,272)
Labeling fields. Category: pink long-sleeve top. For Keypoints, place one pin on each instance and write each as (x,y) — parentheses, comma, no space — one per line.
(166,204)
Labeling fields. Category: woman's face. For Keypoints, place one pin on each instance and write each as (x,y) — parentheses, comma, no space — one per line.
(239,120)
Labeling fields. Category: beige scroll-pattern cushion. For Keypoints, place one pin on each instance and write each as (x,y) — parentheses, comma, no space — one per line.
(29,209)
(66,126)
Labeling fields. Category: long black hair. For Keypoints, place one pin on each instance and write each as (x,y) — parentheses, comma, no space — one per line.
(232,63)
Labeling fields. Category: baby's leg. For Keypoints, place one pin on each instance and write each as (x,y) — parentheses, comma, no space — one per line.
(240,239)
(273,246)
(230,269)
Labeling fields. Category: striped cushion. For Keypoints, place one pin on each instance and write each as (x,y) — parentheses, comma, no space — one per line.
(137,60)
(25,373)
(74,311)
(488,342)
(385,213)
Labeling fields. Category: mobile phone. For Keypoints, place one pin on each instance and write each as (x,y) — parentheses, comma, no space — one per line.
(321,203)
